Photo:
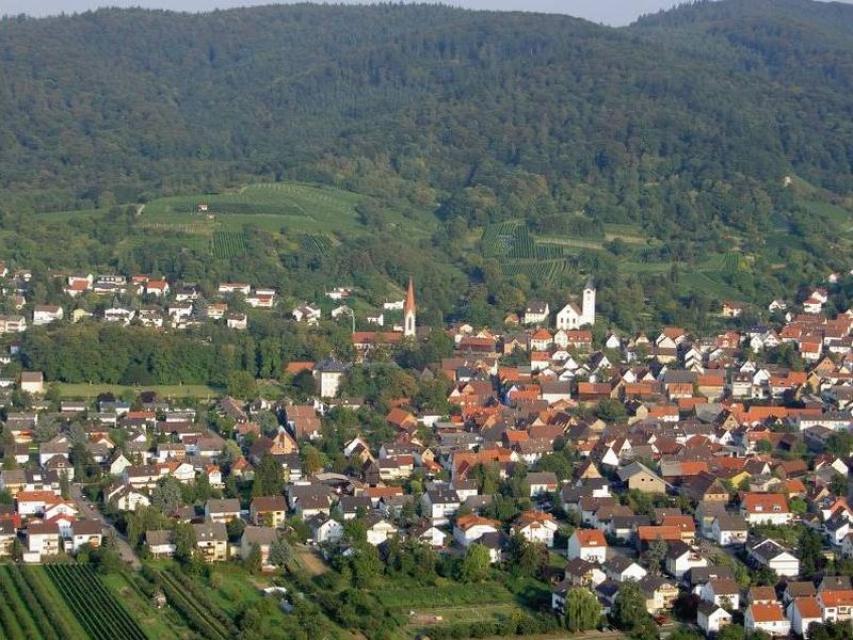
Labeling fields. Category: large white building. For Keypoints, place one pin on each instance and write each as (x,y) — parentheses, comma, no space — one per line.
(570,317)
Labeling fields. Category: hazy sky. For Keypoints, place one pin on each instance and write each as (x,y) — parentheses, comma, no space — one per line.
(616,12)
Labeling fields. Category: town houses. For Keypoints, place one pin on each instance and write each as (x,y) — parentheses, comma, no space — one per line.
(701,467)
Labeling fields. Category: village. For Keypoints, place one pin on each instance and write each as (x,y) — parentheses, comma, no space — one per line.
(706,470)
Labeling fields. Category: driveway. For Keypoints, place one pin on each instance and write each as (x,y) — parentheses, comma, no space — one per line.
(88,510)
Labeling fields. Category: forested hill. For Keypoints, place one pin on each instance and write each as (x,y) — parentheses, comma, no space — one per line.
(482,115)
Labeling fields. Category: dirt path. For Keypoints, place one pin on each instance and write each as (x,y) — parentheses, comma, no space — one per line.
(310,561)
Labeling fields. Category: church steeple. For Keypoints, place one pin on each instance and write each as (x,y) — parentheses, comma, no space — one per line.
(409,311)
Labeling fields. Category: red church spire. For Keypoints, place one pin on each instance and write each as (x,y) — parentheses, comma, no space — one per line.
(410,298)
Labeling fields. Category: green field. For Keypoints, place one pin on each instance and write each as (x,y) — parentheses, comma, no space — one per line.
(294,206)
(444,594)
(31,607)
(228,244)
(163,624)
(833,214)
(194,604)
(99,612)
(88,391)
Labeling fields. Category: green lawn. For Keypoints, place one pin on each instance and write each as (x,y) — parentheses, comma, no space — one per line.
(87,391)
(835,215)
(158,623)
(235,587)
(445,593)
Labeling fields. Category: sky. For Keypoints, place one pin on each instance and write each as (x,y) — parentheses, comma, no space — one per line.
(613,12)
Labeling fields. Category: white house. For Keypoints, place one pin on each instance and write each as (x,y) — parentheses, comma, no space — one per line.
(765,508)
(439,504)
(308,313)
(161,542)
(589,545)
(768,618)
(536,526)
(712,618)
(330,373)
(42,540)
(680,558)
(430,535)
(379,530)
(470,528)
(235,287)
(536,312)
(723,592)
(836,604)
(802,612)
(729,530)
(85,532)
(773,555)
(45,314)
(620,568)
(541,482)
(324,529)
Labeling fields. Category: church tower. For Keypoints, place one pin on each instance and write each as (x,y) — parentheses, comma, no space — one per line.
(409,327)
(588,311)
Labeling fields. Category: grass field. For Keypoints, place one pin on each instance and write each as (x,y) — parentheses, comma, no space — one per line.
(88,391)
(833,214)
(449,602)
(294,206)
(235,588)
(297,206)
(444,594)
(158,623)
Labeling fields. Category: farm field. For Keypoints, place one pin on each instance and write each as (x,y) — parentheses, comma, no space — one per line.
(100,613)
(235,588)
(551,258)
(444,594)
(31,608)
(228,244)
(449,602)
(193,603)
(294,206)
(88,391)
(297,206)
(163,623)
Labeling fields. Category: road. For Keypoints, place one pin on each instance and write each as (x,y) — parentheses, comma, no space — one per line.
(87,510)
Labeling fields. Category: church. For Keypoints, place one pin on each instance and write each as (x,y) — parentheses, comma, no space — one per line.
(571,317)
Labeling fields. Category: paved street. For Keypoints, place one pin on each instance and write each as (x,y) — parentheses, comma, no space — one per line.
(87,510)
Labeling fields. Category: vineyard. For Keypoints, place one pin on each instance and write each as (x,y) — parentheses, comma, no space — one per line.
(537,271)
(99,612)
(522,254)
(31,609)
(499,239)
(316,243)
(193,604)
(297,206)
(228,244)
